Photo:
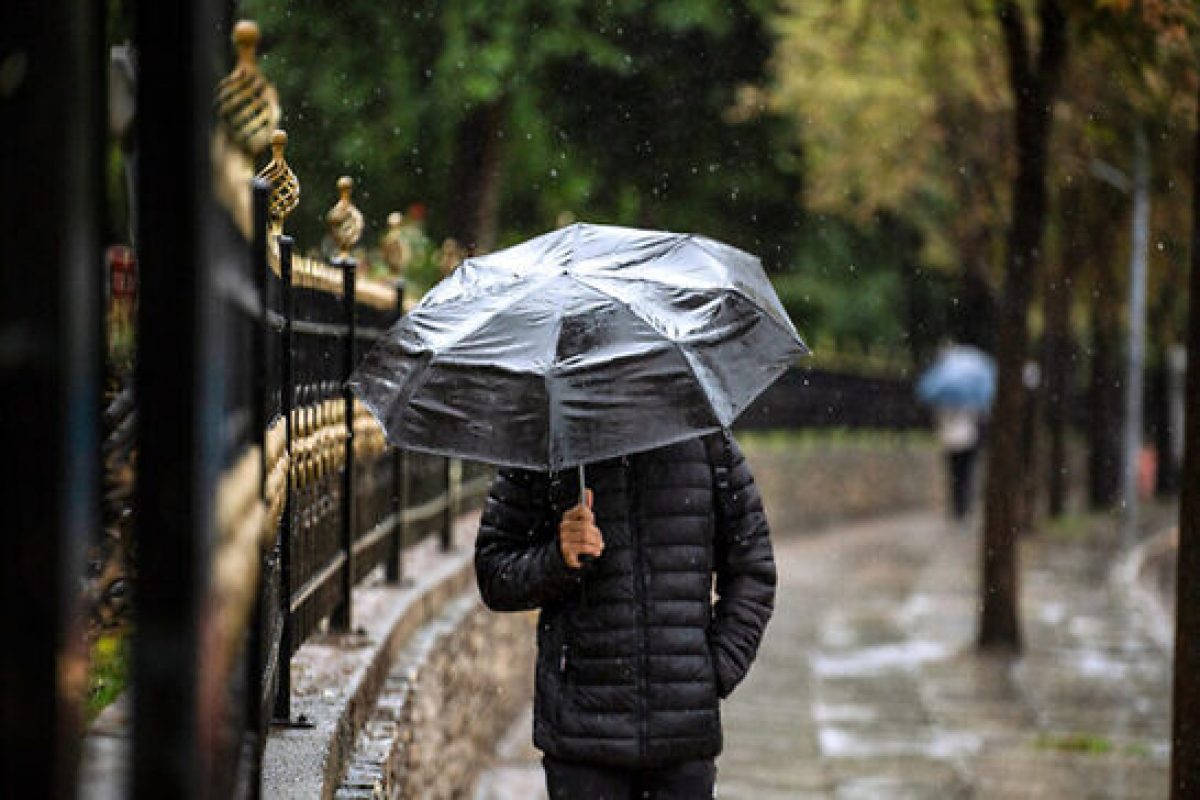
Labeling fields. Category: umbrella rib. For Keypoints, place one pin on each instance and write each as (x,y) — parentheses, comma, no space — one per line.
(678,347)
(704,243)
(501,309)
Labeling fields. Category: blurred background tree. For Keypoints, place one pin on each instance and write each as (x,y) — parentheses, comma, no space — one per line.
(505,120)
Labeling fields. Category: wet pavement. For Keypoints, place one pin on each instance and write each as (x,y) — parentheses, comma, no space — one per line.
(868,684)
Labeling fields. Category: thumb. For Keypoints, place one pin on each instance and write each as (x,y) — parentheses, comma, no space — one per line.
(589,497)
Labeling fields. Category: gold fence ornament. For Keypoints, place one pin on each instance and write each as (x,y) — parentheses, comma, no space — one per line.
(397,252)
(344,219)
(451,255)
(285,187)
(247,103)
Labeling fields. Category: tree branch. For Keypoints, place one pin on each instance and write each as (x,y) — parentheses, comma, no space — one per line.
(1017,46)
(1053,52)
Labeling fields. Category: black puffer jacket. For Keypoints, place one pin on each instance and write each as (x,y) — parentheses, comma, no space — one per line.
(633,656)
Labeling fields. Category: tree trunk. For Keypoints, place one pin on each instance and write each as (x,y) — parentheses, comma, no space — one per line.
(975,320)
(1034,85)
(1057,370)
(1104,391)
(475,184)
(1185,733)
(1032,406)
(1171,441)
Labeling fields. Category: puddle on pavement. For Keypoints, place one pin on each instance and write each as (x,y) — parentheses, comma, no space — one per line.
(1095,664)
(903,656)
(870,742)
(843,712)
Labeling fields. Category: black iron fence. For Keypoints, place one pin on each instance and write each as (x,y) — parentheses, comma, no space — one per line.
(332,502)
(275,496)
(820,398)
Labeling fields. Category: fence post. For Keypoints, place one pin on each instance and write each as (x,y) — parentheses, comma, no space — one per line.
(343,618)
(178,406)
(287,396)
(395,560)
(453,479)
(256,647)
(50,296)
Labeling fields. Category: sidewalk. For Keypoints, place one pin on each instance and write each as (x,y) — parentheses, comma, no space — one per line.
(867,685)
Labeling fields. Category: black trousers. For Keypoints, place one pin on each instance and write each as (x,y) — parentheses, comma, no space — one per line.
(687,780)
(962,480)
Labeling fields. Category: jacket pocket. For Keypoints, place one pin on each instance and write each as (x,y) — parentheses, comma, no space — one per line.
(714,666)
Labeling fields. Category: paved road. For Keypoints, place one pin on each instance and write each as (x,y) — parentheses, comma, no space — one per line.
(867,685)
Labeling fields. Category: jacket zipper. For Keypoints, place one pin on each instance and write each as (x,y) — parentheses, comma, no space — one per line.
(639,588)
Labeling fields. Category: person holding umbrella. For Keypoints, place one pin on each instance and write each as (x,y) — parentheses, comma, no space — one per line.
(602,367)
(959,387)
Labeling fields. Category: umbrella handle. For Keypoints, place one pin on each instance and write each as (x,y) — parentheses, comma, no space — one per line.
(584,558)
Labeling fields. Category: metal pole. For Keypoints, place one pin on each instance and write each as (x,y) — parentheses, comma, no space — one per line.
(343,617)
(1176,372)
(256,724)
(1185,701)
(287,400)
(179,411)
(395,563)
(50,299)
(447,532)
(1140,240)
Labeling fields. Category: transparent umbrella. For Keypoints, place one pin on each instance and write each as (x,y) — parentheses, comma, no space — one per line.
(586,343)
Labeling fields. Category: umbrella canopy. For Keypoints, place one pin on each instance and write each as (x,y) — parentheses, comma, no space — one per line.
(585,343)
(962,377)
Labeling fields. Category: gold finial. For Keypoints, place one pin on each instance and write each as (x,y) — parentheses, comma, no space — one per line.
(397,250)
(451,256)
(245,38)
(345,221)
(247,104)
(285,188)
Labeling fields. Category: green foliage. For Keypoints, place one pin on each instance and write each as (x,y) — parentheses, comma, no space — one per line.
(614,113)
(108,671)
(1089,744)
(823,439)
(886,97)
(861,298)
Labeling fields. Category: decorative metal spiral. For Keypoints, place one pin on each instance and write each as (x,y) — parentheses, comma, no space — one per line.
(285,187)
(247,103)
(344,219)
(397,252)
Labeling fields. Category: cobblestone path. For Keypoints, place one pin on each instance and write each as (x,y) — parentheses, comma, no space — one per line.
(867,685)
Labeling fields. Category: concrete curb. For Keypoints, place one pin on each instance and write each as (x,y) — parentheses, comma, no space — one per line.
(1131,574)
(337,677)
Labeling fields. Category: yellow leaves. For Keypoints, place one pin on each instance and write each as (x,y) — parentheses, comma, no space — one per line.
(866,81)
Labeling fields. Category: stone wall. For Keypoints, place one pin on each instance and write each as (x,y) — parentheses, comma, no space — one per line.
(445,702)
(812,479)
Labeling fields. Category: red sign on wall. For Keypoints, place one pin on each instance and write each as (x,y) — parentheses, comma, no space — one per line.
(122,266)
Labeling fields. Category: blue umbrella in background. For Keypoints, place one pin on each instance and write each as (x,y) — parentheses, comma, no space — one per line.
(961,377)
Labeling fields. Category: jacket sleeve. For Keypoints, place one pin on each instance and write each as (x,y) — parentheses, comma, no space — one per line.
(518,564)
(745,567)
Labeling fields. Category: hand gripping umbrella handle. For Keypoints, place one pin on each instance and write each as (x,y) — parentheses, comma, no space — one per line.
(584,558)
